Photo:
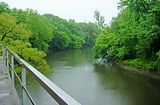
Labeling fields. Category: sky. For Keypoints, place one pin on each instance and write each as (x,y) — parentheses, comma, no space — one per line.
(79,10)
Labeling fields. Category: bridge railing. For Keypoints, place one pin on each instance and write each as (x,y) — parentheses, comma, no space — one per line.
(9,58)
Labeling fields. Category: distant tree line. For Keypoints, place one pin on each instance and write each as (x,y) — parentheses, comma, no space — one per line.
(31,35)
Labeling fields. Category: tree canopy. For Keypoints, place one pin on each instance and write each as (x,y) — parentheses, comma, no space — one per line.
(69,34)
(31,35)
(133,35)
(9,28)
(99,19)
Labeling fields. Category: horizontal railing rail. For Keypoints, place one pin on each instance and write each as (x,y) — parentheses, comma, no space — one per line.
(61,97)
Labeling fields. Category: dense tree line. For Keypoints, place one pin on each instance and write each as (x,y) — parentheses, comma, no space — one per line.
(133,36)
(30,34)
(69,34)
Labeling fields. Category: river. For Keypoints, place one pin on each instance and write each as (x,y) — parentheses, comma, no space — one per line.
(95,84)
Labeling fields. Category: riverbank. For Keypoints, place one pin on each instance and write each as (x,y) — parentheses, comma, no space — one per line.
(76,73)
(153,75)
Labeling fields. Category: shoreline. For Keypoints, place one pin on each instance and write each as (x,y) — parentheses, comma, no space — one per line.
(153,75)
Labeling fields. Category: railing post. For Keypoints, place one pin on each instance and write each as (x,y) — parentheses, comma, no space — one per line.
(12,65)
(24,85)
(57,93)
(7,59)
(3,54)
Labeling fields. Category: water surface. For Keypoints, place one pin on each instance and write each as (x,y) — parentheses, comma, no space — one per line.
(95,84)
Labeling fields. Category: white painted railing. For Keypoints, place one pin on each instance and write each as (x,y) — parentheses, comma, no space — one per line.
(9,58)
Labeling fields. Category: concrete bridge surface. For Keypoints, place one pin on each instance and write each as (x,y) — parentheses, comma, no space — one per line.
(8,94)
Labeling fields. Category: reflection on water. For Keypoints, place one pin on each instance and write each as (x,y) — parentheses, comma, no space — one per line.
(94,84)
(134,89)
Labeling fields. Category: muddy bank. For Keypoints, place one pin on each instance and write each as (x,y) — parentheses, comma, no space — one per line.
(150,74)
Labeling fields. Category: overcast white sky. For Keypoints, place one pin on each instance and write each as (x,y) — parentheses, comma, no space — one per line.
(80,10)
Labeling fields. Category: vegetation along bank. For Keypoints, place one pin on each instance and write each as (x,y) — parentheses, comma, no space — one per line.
(133,37)
(31,35)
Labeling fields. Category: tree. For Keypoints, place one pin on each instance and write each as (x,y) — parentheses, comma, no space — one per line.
(138,6)
(70,34)
(9,27)
(90,31)
(15,33)
(31,55)
(136,40)
(99,19)
(40,27)
(4,7)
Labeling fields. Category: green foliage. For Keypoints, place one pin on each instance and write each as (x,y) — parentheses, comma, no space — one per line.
(31,55)
(9,28)
(103,43)
(30,34)
(148,65)
(158,61)
(99,19)
(111,45)
(36,58)
(16,32)
(4,7)
(69,34)
(41,29)
(60,41)
(133,35)
(90,31)
(135,62)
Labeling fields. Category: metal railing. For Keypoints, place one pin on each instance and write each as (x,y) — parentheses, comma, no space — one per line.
(9,58)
